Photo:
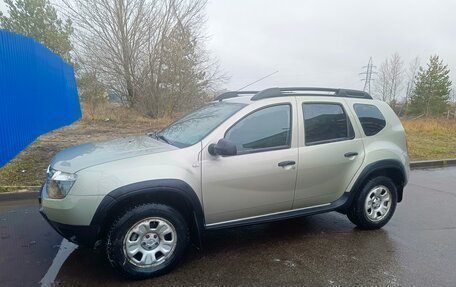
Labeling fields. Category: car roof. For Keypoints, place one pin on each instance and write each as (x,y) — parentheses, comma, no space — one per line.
(240,100)
(249,96)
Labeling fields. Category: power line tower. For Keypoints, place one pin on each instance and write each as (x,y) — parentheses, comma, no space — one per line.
(367,72)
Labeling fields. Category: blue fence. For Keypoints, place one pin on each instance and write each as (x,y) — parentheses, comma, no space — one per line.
(37,93)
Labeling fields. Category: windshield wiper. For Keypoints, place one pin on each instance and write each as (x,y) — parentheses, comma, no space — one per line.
(160,137)
(163,138)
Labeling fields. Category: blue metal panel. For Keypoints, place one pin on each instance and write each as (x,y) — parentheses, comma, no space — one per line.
(37,93)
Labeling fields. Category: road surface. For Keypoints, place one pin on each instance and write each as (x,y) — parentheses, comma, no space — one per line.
(416,248)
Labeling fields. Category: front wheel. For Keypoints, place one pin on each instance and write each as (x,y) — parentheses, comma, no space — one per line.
(147,241)
(374,206)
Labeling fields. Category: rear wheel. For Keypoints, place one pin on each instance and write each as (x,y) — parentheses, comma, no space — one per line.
(147,241)
(374,206)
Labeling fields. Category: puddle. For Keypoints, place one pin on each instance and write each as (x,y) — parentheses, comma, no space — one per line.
(66,248)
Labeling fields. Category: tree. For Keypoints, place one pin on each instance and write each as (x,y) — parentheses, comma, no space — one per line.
(182,82)
(411,75)
(432,89)
(390,79)
(183,74)
(111,38)
(91,91)
(140,49)
(38,19)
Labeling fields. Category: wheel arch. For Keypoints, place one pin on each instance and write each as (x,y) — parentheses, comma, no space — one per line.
(391,168)
(172,192)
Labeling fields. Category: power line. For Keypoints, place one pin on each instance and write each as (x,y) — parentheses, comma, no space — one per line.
(368,71)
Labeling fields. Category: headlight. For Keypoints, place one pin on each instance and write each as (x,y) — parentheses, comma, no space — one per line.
(59,184)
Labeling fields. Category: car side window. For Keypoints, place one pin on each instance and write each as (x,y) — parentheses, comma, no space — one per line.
(326,122)
(372,120)
(265,129)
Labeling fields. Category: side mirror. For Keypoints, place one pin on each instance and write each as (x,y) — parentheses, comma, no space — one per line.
(223,147)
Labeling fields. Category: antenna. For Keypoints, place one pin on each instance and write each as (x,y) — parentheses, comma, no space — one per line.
(260,79)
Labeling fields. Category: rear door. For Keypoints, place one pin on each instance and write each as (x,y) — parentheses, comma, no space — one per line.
(331,150)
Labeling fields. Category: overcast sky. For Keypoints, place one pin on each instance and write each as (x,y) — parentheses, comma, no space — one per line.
(322,42)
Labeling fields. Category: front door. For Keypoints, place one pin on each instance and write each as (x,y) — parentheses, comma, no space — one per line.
(261,178)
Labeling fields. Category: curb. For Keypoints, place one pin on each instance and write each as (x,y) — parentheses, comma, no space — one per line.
(21,195)
(424,164)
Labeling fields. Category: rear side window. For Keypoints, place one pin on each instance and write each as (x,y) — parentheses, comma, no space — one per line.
(326,122)
(370,117)
(265,129)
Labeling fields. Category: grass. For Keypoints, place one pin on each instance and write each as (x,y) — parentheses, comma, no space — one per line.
(427,139)
(27,171)
(431,138)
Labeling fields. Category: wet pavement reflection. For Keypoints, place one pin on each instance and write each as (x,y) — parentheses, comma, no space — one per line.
(27,244)
(417,248)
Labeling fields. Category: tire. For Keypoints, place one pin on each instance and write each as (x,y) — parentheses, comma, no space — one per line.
(370,213)
(147,241)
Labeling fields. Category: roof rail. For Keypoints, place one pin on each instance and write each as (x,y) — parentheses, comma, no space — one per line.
(295,91)
(233,94)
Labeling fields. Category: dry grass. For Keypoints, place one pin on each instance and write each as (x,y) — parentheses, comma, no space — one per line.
(118,113)
(27,170)
(427,139)
(431,138)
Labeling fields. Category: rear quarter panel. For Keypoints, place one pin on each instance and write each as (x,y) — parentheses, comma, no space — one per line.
(389,143)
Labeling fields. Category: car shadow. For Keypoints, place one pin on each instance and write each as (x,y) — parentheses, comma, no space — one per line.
(257,255)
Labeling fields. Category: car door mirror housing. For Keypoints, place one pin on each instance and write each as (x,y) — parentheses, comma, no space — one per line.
(223,147)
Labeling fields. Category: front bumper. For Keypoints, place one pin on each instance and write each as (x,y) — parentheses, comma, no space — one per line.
(81,235)
(85,235)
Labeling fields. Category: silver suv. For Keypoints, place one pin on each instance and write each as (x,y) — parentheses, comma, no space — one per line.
(245,158)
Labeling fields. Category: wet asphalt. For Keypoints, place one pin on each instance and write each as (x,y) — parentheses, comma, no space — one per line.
(416,248)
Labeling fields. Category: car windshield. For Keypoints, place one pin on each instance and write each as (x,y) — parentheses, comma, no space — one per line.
(196,125)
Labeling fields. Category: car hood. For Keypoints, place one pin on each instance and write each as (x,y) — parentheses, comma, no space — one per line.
(83,156)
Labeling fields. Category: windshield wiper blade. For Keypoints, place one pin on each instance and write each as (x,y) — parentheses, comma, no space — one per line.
(160,137)
(163,138)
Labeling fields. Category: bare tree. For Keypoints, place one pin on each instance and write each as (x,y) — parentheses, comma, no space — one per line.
(91,91)
(390,79)
(382,83)
(182,72)
(396,77)
(110,37)
(410,74)
(149,52)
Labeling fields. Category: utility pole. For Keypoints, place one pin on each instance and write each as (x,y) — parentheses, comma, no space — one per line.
(368,71)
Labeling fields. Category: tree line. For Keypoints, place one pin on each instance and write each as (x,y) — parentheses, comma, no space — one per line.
(414,89)
(149,55)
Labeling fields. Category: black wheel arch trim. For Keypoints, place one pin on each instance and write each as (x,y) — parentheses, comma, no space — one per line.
(152,188)
(185,191)
(376,167)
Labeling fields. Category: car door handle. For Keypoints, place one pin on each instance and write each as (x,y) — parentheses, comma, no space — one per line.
(286,163)
(350,154)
